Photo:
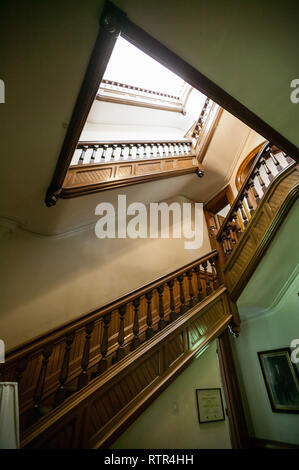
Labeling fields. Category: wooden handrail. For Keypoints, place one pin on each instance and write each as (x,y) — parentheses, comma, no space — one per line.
(81,143)
(52,335)
(241,191)
(138,89)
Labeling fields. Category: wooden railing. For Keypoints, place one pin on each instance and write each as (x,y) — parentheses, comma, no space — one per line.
(267,165)
(202,118)
(59,363)
(97,152)
(121,93)
(118,86)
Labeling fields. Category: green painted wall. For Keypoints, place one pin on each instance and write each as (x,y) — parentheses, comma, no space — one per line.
(171,421)
(272,330)
(249,48)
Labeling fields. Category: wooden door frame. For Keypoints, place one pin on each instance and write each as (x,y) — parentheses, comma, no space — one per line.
(112,23)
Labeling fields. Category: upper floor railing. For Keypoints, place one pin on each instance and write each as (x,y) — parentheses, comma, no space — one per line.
(97,152)
(267,165)
(123,93)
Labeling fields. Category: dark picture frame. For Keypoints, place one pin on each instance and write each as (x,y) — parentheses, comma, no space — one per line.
(281,379)
(209,405)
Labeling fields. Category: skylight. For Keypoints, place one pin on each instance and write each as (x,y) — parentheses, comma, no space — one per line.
(131,66)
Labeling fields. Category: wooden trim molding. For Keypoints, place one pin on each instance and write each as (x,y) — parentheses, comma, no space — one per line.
(140,104)
(113,22)
(110,27)
(87,179)
(245,166)
(233,397)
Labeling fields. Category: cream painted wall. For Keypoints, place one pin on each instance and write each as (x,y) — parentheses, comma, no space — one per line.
(272,330)
(253,139)
(47,281)
(160,427)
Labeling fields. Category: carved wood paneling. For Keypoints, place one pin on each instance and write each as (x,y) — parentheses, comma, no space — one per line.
(94,416)
(83,179)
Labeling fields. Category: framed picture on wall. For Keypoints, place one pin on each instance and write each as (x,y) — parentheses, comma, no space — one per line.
(209,405)
(281,379)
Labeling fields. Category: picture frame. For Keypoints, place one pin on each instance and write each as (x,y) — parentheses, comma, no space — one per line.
(209,405)
(281,379)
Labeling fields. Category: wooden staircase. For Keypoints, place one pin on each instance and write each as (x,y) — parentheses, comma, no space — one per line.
(80,385)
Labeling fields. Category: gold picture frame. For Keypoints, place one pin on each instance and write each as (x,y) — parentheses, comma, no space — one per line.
(281,379)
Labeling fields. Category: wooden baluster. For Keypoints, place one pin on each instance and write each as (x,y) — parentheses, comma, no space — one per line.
(162,322)
(228,241)
(255,193)
(102,365)
(173,316)
(250,206)
(152,152)
(149,320)
(223,244)
(261,181)
(207,279)
(189,148)
(94,152)
(122,153)
(84,148)
(20,368)
(238,230)
(267,169)
(275,161)
(138,151)
(232,238)
(136,341)
(183,306)
(215,277)
(200,295)
(191,292)
(39,389)
(60,394)
(104,154)
(165,150)
(114,150)
(83,377)
(131,146)
(243,214)
(171,149)
(120,353)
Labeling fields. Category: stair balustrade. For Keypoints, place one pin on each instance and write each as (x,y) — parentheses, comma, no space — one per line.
(267,165)
(52,367)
